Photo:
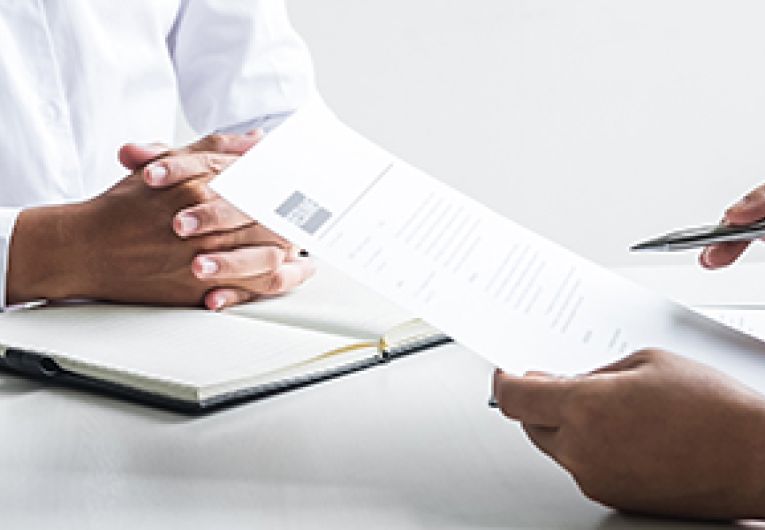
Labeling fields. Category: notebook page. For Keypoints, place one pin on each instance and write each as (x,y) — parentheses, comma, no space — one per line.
(186,347)
(330,302)
(521,301)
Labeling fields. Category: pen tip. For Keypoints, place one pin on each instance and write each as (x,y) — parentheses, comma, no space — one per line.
(642,247)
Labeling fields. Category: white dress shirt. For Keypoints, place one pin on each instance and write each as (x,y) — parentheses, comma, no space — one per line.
(82,77)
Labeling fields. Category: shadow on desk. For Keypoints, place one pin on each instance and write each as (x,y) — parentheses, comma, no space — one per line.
(622,521)
(12,385)
(409,446)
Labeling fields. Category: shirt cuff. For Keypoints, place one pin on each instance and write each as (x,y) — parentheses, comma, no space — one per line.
(7,222)
(267,124)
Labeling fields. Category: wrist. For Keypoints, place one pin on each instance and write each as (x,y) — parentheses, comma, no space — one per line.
(756,476)
(42,255)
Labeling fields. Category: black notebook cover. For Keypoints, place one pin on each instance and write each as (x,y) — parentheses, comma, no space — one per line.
(42,367)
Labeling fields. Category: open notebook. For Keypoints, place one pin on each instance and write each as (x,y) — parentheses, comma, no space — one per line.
(195,360)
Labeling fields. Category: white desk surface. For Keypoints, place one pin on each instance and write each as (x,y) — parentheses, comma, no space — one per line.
(407,445)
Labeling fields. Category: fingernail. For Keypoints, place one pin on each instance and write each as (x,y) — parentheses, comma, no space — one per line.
(187,224)
(219,301)
(207,266)
(704,258)
(156,174)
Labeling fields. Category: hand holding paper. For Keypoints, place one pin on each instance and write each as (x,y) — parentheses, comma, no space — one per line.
(653,433)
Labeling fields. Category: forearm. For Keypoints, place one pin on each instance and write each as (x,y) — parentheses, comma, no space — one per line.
(41,261)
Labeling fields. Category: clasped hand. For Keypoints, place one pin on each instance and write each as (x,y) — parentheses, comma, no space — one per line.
(159,236)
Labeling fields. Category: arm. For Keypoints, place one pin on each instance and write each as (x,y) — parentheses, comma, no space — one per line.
(654,433)
(8,218)
(240,65)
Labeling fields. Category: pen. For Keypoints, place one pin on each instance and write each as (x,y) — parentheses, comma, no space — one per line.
(702,236)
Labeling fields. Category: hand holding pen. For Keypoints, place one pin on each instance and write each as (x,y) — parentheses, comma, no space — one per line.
(749,211)
(724,243)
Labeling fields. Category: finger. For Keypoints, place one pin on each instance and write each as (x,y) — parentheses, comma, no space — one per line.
(630,362)
(543,438)
(749,209)
(722,254)
(135,156)
(171,170)
(217,215)
(290,275)
(535,399)
(232,144)
(221,298)
(537,373)
(253,235)
(239,263)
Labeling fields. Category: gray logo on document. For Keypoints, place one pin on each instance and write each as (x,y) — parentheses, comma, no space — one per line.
(304,212)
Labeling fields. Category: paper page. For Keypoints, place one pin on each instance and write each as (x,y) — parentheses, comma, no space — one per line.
(330,302)
(512,296)
(747,320)
(188,347)
(740,285)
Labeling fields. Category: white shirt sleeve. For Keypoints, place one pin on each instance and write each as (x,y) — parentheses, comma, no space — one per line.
(7,221)
(240,64)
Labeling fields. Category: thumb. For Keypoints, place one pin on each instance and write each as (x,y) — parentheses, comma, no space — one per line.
(749,209)
(135,156)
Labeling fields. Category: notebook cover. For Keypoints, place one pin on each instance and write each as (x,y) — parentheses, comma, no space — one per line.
(44,368)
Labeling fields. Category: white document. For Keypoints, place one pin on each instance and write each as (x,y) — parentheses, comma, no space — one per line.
(519,300)
(692,285)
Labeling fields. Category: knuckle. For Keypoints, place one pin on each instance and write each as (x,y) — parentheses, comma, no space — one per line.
(251,235)
(173,166)
(215,141)
(172,153)
(646,355)
(276,282)
(196,192)
(273,257)
(243,296)
(210,215)
(304,277)
(216,242)
(213,163)
(225,262)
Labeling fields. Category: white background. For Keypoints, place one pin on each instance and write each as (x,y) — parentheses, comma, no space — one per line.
(595,123)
